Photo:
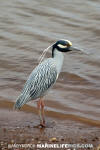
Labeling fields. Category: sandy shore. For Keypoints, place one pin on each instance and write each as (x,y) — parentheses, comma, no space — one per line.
(20,128)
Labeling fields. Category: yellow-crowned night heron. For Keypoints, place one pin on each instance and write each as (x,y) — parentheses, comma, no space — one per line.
(43,78)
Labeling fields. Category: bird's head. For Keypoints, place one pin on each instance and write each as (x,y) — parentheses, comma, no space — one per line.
(63,46)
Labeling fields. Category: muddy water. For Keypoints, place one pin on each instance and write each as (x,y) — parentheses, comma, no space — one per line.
(28,27)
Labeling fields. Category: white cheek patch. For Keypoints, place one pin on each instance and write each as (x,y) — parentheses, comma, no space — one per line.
(62,46)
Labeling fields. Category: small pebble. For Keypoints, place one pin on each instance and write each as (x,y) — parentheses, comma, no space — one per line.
(1,143)
(39,142)
(36,138)
(96,138)
(17,127)
(32,139)
(12,141)
(62,139)
(53,139)
(98,148)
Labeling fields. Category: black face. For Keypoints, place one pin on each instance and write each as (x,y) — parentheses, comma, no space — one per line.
(62,45)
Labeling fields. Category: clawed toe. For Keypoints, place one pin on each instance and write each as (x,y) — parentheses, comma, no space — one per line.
(42,125)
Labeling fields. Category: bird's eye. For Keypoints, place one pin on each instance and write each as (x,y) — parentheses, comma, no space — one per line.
(62,46)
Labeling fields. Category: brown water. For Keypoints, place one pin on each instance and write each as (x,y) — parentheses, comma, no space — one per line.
(28,27)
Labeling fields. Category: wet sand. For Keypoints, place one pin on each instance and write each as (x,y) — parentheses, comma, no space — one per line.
(69,133)
(19,127)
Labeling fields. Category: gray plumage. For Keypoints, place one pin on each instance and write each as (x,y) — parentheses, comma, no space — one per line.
(44,75)
(40,80)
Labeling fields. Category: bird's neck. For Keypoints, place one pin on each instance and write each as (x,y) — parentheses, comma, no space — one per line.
(58,59)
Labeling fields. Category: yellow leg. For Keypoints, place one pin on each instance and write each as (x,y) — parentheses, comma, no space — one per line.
(39,110)
(40,106)
(42,111)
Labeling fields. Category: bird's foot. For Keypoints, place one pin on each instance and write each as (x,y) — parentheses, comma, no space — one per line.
(42,124)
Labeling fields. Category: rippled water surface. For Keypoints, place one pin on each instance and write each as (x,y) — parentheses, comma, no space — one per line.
(28,27)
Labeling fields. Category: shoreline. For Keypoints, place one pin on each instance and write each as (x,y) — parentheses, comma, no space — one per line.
(20,128)
(4,104)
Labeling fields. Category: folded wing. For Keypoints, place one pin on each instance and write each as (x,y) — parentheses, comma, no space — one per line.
(40,80)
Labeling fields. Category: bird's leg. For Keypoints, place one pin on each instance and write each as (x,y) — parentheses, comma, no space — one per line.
(39,110)
(40,106)
(42,112)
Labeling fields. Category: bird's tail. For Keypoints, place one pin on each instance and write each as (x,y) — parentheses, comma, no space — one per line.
(21,100)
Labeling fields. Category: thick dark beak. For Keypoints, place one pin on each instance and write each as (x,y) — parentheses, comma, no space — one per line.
(74,49)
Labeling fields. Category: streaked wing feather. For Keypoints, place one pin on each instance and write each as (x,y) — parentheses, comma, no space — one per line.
(40,80)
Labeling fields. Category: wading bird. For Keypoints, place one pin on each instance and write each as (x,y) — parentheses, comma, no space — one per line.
(43,77)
